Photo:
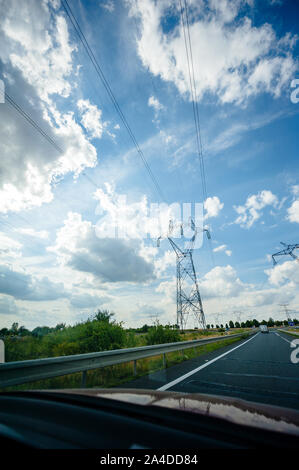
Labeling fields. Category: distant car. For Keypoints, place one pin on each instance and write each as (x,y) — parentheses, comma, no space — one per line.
(264,329)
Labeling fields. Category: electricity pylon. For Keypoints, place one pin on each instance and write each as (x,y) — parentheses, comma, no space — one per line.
(188,296)
(287,311)
(287,251)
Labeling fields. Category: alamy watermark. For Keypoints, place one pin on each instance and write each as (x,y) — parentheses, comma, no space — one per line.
(151,221)
(2,91)
(295,92)
(295,353)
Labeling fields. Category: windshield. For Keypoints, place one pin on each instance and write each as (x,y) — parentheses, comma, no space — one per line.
(149,197)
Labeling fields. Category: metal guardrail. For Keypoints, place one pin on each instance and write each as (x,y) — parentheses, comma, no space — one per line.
(19,372)
(292,333)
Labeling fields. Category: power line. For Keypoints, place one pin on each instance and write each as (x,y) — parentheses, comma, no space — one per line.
(32,122)
(110,93)
(193,91)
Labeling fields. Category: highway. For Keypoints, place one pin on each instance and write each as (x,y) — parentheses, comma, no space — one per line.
(257,369)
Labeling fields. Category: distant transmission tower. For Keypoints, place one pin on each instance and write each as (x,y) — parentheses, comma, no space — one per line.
(287,311)
(287,251)
(188,296)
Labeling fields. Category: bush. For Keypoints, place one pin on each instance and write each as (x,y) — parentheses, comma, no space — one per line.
(90,336)
(160,335)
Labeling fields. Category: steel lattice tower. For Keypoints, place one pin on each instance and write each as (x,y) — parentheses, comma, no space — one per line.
(287,251)
(188,296)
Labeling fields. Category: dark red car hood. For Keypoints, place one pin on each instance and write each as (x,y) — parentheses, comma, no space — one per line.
(230,409)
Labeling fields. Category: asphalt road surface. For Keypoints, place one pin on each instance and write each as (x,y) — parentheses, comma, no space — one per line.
(257,369)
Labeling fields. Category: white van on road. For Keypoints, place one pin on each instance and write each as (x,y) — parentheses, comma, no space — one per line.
(264,329)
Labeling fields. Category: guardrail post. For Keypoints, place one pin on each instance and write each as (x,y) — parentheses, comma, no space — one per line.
(164,360)
(135,367)
(2,352)
(83,382)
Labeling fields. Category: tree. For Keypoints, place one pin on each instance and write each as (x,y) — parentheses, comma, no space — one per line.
(104,316)
(231,324)
(22,331)
(237,324)
(4,332)
(14,328)
(41,331)
(60,326)
(270,322)
(208,327)
(144,328)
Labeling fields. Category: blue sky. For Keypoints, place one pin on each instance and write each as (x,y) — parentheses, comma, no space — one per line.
(54,266)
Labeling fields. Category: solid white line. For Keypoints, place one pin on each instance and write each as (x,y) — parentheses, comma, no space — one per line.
(183,377)
(283,338)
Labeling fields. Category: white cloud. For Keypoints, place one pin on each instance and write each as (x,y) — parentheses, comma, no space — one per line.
(7,305)
(24,286)
(233,61)
(43,234)
(91,118)
(87,301)
(219,248)
(9,248)
(295,190)
(155,103)
(108,5)
(37,59)
(285,272)
(252,210)
(223,248)
(106,259)
(293,212)
(213,206)
(221,281)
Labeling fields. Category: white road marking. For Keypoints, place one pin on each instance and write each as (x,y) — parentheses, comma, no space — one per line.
(283,338)
(185,376)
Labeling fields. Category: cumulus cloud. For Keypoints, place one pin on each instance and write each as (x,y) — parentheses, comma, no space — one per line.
(85,300)
(9,248)
(252,210)
(7,305)
(293,212)
(233,60)
(285,272)
(37,63)
(24,286)
(221,281)
(212,206)
(91,118)
(107,259)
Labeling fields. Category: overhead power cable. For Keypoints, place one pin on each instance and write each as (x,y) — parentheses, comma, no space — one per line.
(194,98)
(110,93)
(32,122)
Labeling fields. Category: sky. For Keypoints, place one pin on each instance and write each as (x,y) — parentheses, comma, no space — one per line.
(59,257)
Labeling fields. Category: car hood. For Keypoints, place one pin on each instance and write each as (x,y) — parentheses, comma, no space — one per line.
(234,410)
